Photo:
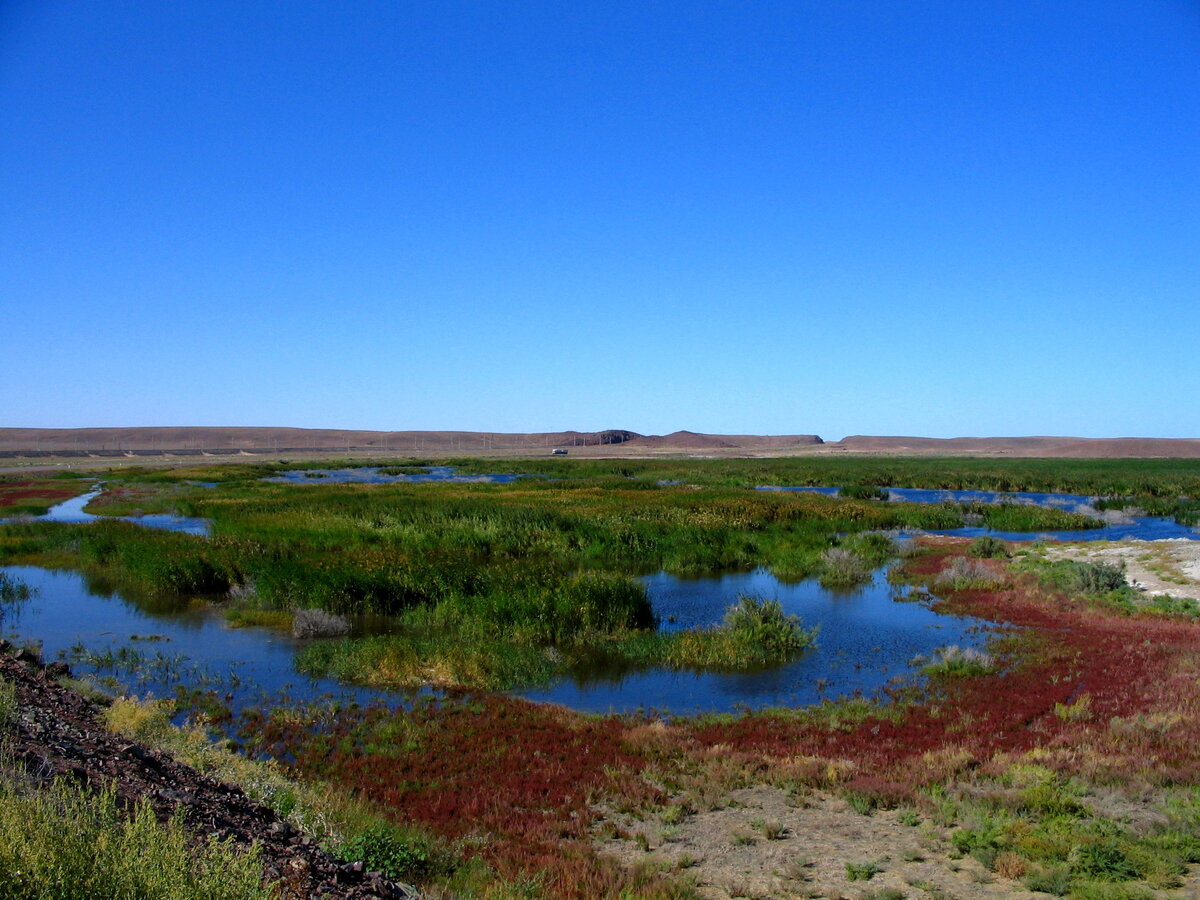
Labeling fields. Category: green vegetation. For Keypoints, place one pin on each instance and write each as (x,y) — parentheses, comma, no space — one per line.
(67,843)
(956,662)
(862,871)
(439,647)
(12,590)
(988,547)
(1170,480)
(498,585)
(1095,580)
(1034,821)
(493,585)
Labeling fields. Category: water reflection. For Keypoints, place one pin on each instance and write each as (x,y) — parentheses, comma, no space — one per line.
(374,475)
(71,512)
(866,641)
(1118,526)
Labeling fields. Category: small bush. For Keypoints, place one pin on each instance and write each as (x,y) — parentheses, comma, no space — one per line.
(1096,577)
(842,568)
(964,574)
(1104,860)
(66,843)
(988,547)
(1053,880)
(862,871)
(316,623)
(956,662)
(400,855)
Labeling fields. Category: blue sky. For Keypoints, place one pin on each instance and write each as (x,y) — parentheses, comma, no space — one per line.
(937,217)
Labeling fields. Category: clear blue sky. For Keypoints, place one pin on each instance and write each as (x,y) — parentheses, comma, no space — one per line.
(929,217)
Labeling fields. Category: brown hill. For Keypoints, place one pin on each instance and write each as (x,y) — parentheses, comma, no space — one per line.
(191,440)
(691,440)
(220,441)
(1065,447)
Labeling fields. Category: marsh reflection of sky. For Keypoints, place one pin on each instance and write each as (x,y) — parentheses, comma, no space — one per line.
(865,640)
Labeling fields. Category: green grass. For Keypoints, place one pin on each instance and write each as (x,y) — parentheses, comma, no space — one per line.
(65,843)
(453,649)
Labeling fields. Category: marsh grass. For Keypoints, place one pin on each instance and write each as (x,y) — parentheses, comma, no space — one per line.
(963,573)
(954,661)
(13,590)
(455,651)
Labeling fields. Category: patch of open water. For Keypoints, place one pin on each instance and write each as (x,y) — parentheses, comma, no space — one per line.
(866,642)
(157,651)
(1122,527)
(373,475)
(71,512)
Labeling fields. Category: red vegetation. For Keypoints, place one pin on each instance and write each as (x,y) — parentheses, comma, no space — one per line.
(517,774)
(1099,692)
(13,492)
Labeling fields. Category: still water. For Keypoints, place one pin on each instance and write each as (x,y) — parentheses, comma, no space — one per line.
(866,641)
(373,475)
(1118,526)
(71,512)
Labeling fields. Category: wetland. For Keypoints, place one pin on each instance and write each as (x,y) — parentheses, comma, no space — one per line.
(896,647)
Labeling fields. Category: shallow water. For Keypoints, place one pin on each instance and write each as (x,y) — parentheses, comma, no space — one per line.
(71,512)
(866,640)
(372,475)
(181,647)
(1142,528)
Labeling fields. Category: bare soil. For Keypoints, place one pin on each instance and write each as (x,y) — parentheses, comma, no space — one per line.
(1154,567)
(765,843)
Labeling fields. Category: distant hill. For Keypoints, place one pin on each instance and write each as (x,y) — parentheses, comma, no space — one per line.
(203,440)
(194,440)
(691,440)
(1073,447)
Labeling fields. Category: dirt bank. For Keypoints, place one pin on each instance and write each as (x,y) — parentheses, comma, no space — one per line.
(56,733)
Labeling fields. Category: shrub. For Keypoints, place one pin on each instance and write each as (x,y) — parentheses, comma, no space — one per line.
(1096,577)
(862,871)
(316,623)
(1053,880)
(988,547)
(398,854)
(763,625)
(842,568)
(955,661)
(1104,860)
(964,574)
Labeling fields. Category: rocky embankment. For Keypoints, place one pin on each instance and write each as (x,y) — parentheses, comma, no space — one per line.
(56,733)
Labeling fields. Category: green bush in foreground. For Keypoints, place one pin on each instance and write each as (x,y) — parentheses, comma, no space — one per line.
(399,854)
(65,843)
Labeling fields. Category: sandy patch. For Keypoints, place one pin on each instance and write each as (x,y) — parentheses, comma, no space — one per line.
(1154,567)
(765,844)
